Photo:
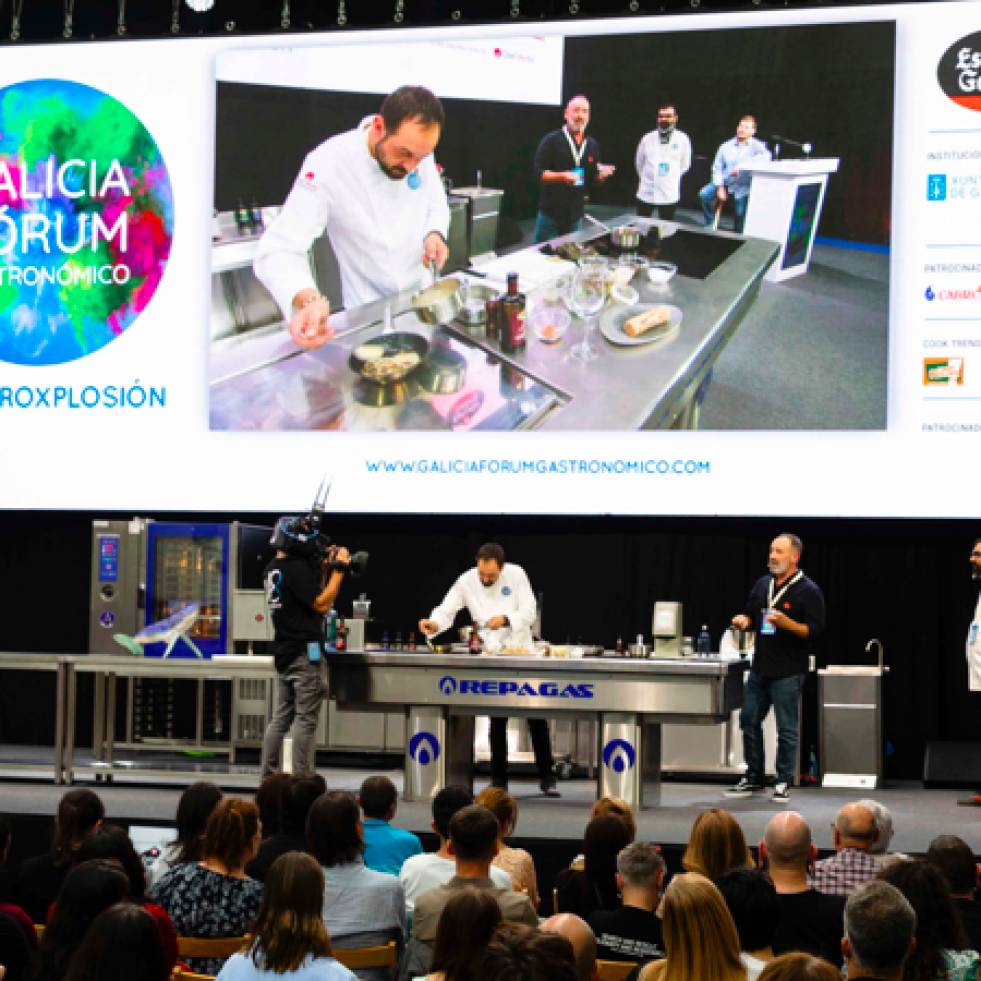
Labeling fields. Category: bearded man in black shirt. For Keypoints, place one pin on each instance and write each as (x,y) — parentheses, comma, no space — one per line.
(300,588)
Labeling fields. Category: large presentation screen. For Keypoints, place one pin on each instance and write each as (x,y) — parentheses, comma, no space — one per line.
(716,264)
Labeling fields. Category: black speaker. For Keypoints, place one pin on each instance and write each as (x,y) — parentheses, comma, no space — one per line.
(956,765)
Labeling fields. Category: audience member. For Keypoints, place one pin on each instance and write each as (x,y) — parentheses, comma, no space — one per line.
(193,811)
(799,967)
(289,939)
(880,926)
(385,848)
(267,799)
(296,799)
(595,886)
(755,909)
(578,932)
(609,805)
(810,922)
(956,860)
(520,953)
(473,844)
(15,952)
(214,897)
(40,878)
(633,932)
(123,944)
(14,912)
(89,889)
(941,952)
(883,825)
(362,908)
(717,844)
(111,842)
(465,928)
(515,861)
(427,871)
(700,939)
(852,864)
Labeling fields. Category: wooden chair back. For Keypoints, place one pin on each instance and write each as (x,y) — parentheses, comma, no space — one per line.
(358,958)
(614,970)
(209,946)
(180,975)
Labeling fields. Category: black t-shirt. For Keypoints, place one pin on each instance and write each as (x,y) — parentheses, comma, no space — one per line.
(970,911)
(15,955)
(627,934)
(292,587)
(565,202)
(783,654)
(38,884)
(271,849)
(811,922)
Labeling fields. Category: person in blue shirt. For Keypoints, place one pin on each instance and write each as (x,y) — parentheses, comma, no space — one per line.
(289,941)
(729,177)
(386,848)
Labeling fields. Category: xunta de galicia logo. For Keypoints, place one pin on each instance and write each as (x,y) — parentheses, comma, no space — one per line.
(86,221)
(959,72)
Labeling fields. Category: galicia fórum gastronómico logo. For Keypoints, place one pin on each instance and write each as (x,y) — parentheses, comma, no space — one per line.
(86,221)
(959,72)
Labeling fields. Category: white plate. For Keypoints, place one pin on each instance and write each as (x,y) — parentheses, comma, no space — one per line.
(611,325)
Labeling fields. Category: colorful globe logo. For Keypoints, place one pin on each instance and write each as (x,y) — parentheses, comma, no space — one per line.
(86,221)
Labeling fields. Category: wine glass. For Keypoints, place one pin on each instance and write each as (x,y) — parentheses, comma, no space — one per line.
(586,298)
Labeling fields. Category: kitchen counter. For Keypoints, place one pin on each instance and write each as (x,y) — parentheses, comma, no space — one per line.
(264,382)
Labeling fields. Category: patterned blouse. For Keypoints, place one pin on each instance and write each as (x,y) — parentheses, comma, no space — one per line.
(521,867)
(203,903)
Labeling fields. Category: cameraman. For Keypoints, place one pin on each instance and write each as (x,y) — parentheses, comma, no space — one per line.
(302,583)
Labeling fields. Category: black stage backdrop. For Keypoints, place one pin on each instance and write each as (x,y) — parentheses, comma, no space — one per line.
(906,582)
(830,85)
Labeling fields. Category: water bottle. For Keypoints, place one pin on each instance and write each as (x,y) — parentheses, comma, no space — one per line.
(331,625)
(704,642)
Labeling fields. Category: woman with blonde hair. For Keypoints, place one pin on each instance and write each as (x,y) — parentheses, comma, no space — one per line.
(717,844)
(515,861)
(700,939)
(289,939)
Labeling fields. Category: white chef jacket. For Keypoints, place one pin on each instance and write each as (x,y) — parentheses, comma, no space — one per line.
(510,597)
(660,167)
(973,650)
(376,225)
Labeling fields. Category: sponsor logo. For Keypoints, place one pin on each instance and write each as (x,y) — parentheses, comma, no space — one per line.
(619,755)
(86,221)
(946,295)
(523,689)
(107,619)
(943,371)
(937,187)
(424,748)
(959,72)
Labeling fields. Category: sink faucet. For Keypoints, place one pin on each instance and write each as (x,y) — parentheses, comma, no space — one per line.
(878,643)
(479,178)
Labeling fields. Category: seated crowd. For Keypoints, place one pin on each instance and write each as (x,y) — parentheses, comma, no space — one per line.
(304,875)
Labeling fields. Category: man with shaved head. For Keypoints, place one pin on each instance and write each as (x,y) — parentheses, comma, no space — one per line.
(578,932)
(856,833)
(810,921)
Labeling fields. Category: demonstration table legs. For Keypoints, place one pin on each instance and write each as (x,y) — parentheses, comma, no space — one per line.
(629,759)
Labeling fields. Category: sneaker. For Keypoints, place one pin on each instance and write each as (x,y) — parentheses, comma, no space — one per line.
(781,794)
(745,788)
(548,787)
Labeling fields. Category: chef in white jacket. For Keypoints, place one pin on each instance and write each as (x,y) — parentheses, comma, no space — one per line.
(377,193)
(663,158)
(503,607)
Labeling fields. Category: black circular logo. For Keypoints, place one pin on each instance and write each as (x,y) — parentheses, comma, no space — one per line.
(959,72)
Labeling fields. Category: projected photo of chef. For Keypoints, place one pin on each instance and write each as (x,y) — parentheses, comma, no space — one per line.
(599,233)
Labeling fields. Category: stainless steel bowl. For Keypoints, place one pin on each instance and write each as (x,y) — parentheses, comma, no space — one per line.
(625,237)
(640,650)
(473,311)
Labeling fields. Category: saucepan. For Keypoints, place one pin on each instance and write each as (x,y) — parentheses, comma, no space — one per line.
(625,237)
(439,303)
(388,358)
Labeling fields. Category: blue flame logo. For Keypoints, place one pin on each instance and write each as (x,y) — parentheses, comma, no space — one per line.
(619,755)
(424,748)
(447,685)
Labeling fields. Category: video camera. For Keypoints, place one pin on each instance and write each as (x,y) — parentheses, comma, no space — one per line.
(303,536)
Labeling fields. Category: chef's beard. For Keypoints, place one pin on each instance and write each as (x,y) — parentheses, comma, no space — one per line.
(975,572)
(667,130)
(779,569)
(396,173)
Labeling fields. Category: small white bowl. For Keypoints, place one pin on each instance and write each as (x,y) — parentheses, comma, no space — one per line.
(661,273)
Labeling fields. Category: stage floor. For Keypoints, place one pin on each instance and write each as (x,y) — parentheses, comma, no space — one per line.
(918,814)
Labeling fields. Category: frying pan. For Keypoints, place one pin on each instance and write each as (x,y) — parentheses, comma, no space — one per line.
(392,344)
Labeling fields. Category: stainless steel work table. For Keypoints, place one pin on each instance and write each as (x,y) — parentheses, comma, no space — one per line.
(262,381)
(23,661)
(630,699)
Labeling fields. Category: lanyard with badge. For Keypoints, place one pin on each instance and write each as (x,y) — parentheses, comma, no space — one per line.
(577,153)
(765,626)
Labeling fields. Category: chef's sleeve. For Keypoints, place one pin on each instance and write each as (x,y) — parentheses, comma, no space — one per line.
(686,157)
(524,616)
(543,159)
(282,262)
(437,210)
(641,158)
(446,612)
(813,613)
(718,169)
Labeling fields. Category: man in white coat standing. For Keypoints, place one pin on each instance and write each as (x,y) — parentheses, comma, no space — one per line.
(663,158)
(503,608)
(376,191)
